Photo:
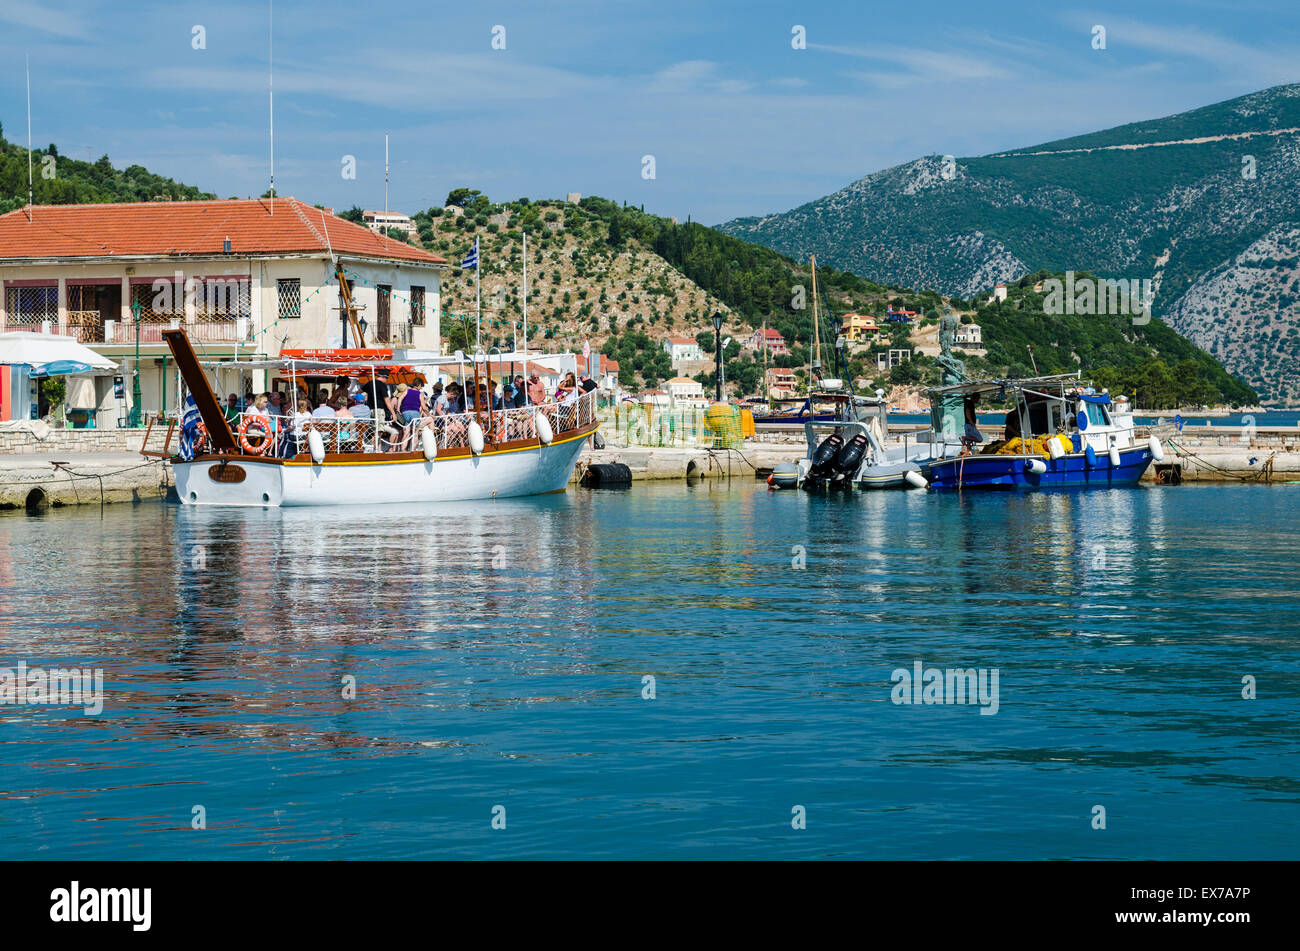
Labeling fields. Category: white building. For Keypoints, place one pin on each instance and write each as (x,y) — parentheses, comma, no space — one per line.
(684,388)
(244,278)
(681,349)
(968,336)
(379,220)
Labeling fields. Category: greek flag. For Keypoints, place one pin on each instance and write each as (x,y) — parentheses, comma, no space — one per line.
(189,429)
(471,259)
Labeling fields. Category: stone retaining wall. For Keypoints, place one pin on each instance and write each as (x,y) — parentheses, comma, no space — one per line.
(75,441)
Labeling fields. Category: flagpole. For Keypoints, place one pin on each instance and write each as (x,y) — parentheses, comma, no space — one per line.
(478,299)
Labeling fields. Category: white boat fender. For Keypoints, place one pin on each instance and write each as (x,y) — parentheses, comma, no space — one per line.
(544,433)
(1114,457)
(316,446)
(1157,450)
(475,438)
(1036,466)
(915,478)
(429,442)
(1054,448)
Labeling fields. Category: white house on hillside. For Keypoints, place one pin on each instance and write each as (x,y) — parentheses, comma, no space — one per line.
(681,349)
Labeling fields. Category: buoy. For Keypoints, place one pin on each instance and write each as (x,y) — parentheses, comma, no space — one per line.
(544,432)
(1157,450)
(1036,466)
(1054,448)
(430,444)
(1090,454)
(316,446)
(476,437)
(1114,457)
(915,478)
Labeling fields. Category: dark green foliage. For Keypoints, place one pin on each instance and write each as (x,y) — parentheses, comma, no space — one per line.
(79,182)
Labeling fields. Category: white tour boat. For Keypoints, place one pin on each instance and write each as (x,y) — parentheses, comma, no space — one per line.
(485,453)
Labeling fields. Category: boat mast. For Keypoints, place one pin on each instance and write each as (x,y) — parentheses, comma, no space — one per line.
(817,339)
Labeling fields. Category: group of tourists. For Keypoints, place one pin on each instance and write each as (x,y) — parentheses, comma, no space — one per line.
(276,423)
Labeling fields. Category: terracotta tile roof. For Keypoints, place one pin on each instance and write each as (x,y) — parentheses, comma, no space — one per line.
(180,228)
(683,341)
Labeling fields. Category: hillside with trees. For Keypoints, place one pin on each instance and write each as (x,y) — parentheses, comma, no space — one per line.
(60,180)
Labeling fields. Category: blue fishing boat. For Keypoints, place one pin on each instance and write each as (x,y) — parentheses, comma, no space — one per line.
(1059,432)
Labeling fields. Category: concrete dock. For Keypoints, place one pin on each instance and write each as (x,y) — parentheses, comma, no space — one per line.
(36,480)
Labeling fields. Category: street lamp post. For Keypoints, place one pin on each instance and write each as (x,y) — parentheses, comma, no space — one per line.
(135,420)
(717,353)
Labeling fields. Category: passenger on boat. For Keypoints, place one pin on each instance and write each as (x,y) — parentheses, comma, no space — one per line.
(566,389)
(260,402)
(232,410)
(536,389)
(359,407)
(347,431)
(587,383)
(410,402)
(451,402)
(521,393)
(299,436)
(324,411)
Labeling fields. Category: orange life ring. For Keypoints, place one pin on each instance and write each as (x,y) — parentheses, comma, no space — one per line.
(258,427)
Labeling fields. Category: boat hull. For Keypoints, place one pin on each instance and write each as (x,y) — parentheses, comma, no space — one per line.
(1011,472)
(503,473)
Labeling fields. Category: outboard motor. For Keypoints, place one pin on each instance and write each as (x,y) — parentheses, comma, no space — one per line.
(849,459)
(822,469)
(824,455)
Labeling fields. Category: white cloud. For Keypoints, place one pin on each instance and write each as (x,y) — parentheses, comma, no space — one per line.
(40,17)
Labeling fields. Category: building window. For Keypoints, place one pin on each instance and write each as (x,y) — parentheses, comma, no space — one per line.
(288,291)
(417,306)
(29,307)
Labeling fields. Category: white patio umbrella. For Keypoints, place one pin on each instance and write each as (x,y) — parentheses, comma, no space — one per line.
(51,354)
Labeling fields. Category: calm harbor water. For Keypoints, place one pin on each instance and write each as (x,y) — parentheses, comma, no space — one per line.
(499,651)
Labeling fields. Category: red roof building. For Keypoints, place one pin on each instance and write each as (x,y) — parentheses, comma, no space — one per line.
(244,278)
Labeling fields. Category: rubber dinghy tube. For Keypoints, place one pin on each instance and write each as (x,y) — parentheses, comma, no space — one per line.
(915,478)
(544,432)
(475,438)
(316,446)
(1114,457)
(1157,450)
(429,443)
(1036,466)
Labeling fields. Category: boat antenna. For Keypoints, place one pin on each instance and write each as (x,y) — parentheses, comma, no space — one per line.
(817,340)
(270,87)
(29,138)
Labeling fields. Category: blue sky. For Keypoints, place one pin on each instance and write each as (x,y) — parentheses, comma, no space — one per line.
(738,121)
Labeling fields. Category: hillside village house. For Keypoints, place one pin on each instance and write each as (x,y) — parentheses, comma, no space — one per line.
(769,340)
(244,278)
(968,337)
(379,220)
(682,388)
(781,383)
(681,349)
(859,328)
(888,359)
